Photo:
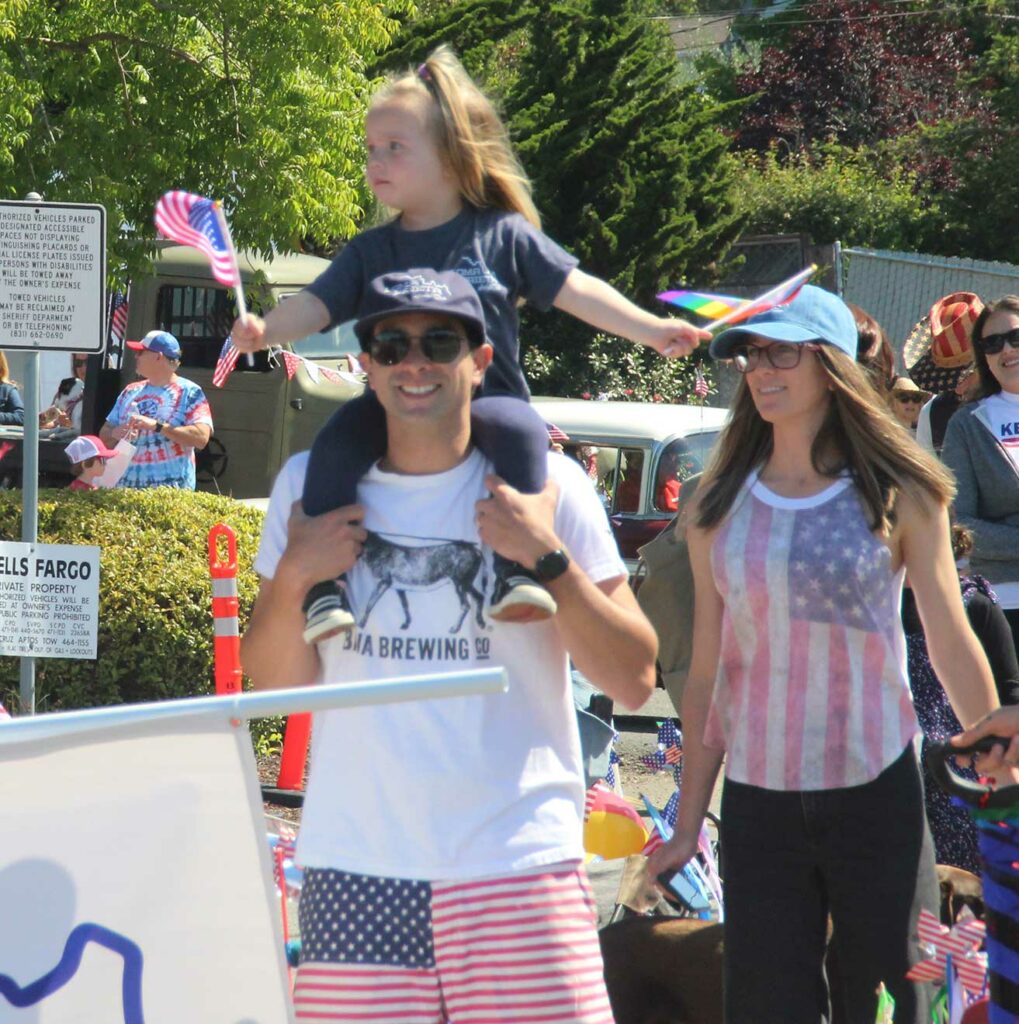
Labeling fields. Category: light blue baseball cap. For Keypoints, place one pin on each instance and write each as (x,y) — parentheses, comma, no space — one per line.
(812,315)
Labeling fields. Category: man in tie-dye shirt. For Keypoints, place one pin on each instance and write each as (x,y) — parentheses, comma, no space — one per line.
(166,416)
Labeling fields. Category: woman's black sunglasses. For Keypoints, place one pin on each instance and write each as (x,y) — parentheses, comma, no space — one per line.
(992,344)
(392,345)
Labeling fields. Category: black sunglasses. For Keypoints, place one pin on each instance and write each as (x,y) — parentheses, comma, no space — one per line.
(80,362)
(438,345)
(992,344)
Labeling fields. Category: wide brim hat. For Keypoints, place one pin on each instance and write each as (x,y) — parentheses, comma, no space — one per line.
(908,386)
(938,353)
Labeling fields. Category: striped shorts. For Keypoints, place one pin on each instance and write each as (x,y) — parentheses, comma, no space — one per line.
(519,948)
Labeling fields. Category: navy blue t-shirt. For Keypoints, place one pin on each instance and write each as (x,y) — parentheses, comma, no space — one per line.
(502,254)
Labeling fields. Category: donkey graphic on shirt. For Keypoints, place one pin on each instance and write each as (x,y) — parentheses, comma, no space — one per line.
(425,567)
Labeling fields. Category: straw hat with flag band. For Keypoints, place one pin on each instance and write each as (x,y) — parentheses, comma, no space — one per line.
(938,353)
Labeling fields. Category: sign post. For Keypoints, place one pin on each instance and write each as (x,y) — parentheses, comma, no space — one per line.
(52,278)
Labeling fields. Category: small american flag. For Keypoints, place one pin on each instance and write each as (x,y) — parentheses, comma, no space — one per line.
(228,356)
(118,318)
(199,222)
(652,844)
(556,435)
(700,384)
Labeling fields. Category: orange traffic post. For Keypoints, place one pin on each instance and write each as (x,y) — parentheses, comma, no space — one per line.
(295,752)
(224,610)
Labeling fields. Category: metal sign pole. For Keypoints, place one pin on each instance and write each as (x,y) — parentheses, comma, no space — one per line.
(30,491)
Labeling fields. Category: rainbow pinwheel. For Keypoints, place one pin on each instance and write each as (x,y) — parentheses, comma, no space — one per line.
(960,943)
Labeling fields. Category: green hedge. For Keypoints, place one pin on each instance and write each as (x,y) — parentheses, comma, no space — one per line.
(155,607)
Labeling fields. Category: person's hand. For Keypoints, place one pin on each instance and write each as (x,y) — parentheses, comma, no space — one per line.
(1002,722)
(323,547)
(143,424)
(63,419)
(672,338)
(671,856)
(518,526)
(119,433)
(248,334)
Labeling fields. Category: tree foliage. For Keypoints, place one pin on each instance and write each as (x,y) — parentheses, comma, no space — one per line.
(259,105)
(836,193)
(853,71)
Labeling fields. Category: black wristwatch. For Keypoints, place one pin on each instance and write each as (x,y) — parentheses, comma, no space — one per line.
(551,566)
(158,428)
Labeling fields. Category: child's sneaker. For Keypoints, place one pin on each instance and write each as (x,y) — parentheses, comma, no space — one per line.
(520,598)
(326,612)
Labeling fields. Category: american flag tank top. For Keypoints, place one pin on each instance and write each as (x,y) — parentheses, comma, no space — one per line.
(811,691)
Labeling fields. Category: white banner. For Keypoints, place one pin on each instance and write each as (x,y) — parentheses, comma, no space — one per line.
(135,882)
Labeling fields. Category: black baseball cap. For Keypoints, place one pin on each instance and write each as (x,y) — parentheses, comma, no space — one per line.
(421,290)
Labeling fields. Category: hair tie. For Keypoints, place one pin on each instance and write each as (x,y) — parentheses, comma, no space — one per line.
(423,73)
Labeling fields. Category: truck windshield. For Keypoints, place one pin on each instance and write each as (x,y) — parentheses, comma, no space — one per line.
(331,344)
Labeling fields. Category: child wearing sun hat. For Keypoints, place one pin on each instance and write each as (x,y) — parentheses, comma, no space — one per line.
(88,457)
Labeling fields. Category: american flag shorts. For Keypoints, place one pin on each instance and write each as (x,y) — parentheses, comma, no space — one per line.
(521,948)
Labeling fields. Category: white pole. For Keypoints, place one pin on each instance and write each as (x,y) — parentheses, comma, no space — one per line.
(257,705)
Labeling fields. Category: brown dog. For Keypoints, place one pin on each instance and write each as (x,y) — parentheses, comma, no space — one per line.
(663,970)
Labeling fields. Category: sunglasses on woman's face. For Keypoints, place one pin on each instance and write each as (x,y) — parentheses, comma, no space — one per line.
(80,362)
(438,345)
(992,344)
(909,399)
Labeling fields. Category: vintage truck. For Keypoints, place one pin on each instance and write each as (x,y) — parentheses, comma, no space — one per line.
(260,416)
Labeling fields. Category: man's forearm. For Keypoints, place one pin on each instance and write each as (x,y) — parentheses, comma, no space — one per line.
(189,436)
(607,635)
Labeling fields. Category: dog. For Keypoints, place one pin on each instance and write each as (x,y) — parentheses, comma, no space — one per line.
(663,970)
(668,970)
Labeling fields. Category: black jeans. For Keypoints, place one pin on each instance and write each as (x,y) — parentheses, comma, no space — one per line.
(862,855)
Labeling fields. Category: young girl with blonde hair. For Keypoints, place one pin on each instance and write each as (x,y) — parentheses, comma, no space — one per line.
(814,506)
(439,155)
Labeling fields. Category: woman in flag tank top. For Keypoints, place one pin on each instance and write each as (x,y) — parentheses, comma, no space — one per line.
(814,506)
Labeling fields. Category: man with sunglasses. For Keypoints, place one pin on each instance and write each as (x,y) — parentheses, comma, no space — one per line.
(458,812)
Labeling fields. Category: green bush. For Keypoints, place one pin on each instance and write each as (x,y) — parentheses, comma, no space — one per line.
(833,193)
(155,607)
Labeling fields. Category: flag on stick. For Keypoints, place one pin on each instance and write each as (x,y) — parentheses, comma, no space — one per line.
(777,296)
(227,360)
(700,384)
(702,303)
(199,222)
(118,317)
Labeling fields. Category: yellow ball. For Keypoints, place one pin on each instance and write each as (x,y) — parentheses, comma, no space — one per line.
(611,835)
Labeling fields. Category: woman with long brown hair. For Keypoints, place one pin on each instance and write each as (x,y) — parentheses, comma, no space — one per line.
(815,504)
(12,409)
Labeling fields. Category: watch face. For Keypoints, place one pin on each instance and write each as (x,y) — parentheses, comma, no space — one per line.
(552,565)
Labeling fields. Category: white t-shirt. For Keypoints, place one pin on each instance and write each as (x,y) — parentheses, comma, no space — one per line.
(1001,416)
(454,788)
(1002,413)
